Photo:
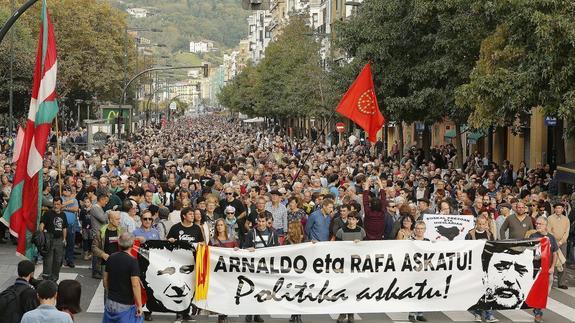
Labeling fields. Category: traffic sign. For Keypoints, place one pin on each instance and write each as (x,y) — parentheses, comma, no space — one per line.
(340,127)
(550,121)
(173,106)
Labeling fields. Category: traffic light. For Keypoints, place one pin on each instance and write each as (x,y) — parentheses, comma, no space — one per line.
(256,4)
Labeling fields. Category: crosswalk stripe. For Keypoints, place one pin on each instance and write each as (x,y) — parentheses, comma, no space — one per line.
(97,302)
(570,292)
(517,315)
(399,316)
(459,316)
(560,309)
(355,316)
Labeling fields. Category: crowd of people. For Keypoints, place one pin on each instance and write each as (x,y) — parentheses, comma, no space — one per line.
(214,180)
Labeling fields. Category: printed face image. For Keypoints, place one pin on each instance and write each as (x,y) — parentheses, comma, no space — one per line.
(171,277)
(510,278)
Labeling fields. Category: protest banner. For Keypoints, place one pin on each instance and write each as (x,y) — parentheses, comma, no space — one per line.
(348,277)
(439,227)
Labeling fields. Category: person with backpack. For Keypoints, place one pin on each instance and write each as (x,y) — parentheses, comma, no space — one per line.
(20,297)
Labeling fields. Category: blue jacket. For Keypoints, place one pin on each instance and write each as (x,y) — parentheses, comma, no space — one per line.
(317,226)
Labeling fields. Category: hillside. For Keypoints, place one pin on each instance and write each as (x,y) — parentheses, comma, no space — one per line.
(182,21)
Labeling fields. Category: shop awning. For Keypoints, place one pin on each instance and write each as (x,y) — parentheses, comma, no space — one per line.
(566,173)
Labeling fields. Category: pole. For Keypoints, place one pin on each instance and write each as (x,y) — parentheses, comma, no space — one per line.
(58,156)
(15,15)
(11,95)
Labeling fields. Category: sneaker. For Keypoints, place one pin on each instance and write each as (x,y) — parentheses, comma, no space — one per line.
(258,318)
(249,318)
(350,318)
(188,318)
(70,264)
(491,319)
(538,318)
(341,318)
(421,318)
(563,286)
(412,318)
(477,318)
(148,316)
(97,276)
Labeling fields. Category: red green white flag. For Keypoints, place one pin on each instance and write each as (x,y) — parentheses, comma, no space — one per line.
(23,209)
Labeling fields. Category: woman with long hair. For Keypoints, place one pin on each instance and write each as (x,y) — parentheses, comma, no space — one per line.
(406,230)
(295,216)
(222,239)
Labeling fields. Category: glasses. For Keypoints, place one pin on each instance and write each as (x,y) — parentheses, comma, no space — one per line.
(229,193)
(230,213)
(267,175)
(146,219)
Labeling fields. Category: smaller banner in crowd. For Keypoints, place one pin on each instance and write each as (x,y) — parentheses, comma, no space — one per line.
(447,227)
(347,277)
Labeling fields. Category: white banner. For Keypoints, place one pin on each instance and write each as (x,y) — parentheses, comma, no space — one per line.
(346,277)
(447,227)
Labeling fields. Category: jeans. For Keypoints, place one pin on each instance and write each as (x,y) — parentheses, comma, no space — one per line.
(70,241)
(485,314)
(53,260)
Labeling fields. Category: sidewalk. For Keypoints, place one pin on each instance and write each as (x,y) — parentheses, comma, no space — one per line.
(8,264)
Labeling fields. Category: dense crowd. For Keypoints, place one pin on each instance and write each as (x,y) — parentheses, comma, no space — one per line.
(214,180)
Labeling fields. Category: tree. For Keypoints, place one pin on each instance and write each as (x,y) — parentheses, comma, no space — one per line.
(289,81)
(92,46)
(527,61)
(421,51)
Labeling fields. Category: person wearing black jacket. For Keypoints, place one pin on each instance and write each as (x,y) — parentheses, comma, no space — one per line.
(260,237)
(26,296)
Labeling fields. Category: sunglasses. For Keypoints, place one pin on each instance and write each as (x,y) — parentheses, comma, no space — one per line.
(146,219)
(229,193)
(230,213)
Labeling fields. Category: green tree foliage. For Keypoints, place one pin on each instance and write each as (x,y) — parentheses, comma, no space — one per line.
(421,50)
(288,82)
(527,61)
(91,43)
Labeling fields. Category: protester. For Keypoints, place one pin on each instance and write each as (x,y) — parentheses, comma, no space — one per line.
(98,219)
(54,224)
(70,206)
(46,312)
(106,241)
(481,232)
(318,223)
(146,231)
(517,224)
(558,225)
(223,239)
(260,237)
(542,231)
(20,297)
(418,235)
(122,283)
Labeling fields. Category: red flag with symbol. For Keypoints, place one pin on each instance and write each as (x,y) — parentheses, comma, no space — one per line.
(359,104)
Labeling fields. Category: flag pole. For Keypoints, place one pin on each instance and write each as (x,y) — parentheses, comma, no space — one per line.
(58,157)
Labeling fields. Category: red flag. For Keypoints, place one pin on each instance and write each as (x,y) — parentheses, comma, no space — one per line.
(359,104)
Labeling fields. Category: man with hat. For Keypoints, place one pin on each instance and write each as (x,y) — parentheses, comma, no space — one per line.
(558,225)
(504,212)
(423,207)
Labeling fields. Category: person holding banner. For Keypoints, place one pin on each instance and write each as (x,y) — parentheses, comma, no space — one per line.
(542,231)
(406,228)
(317,226)
(222,239)
(481,232)
(355,233)
(518,224)
(261,237)
(419,235)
